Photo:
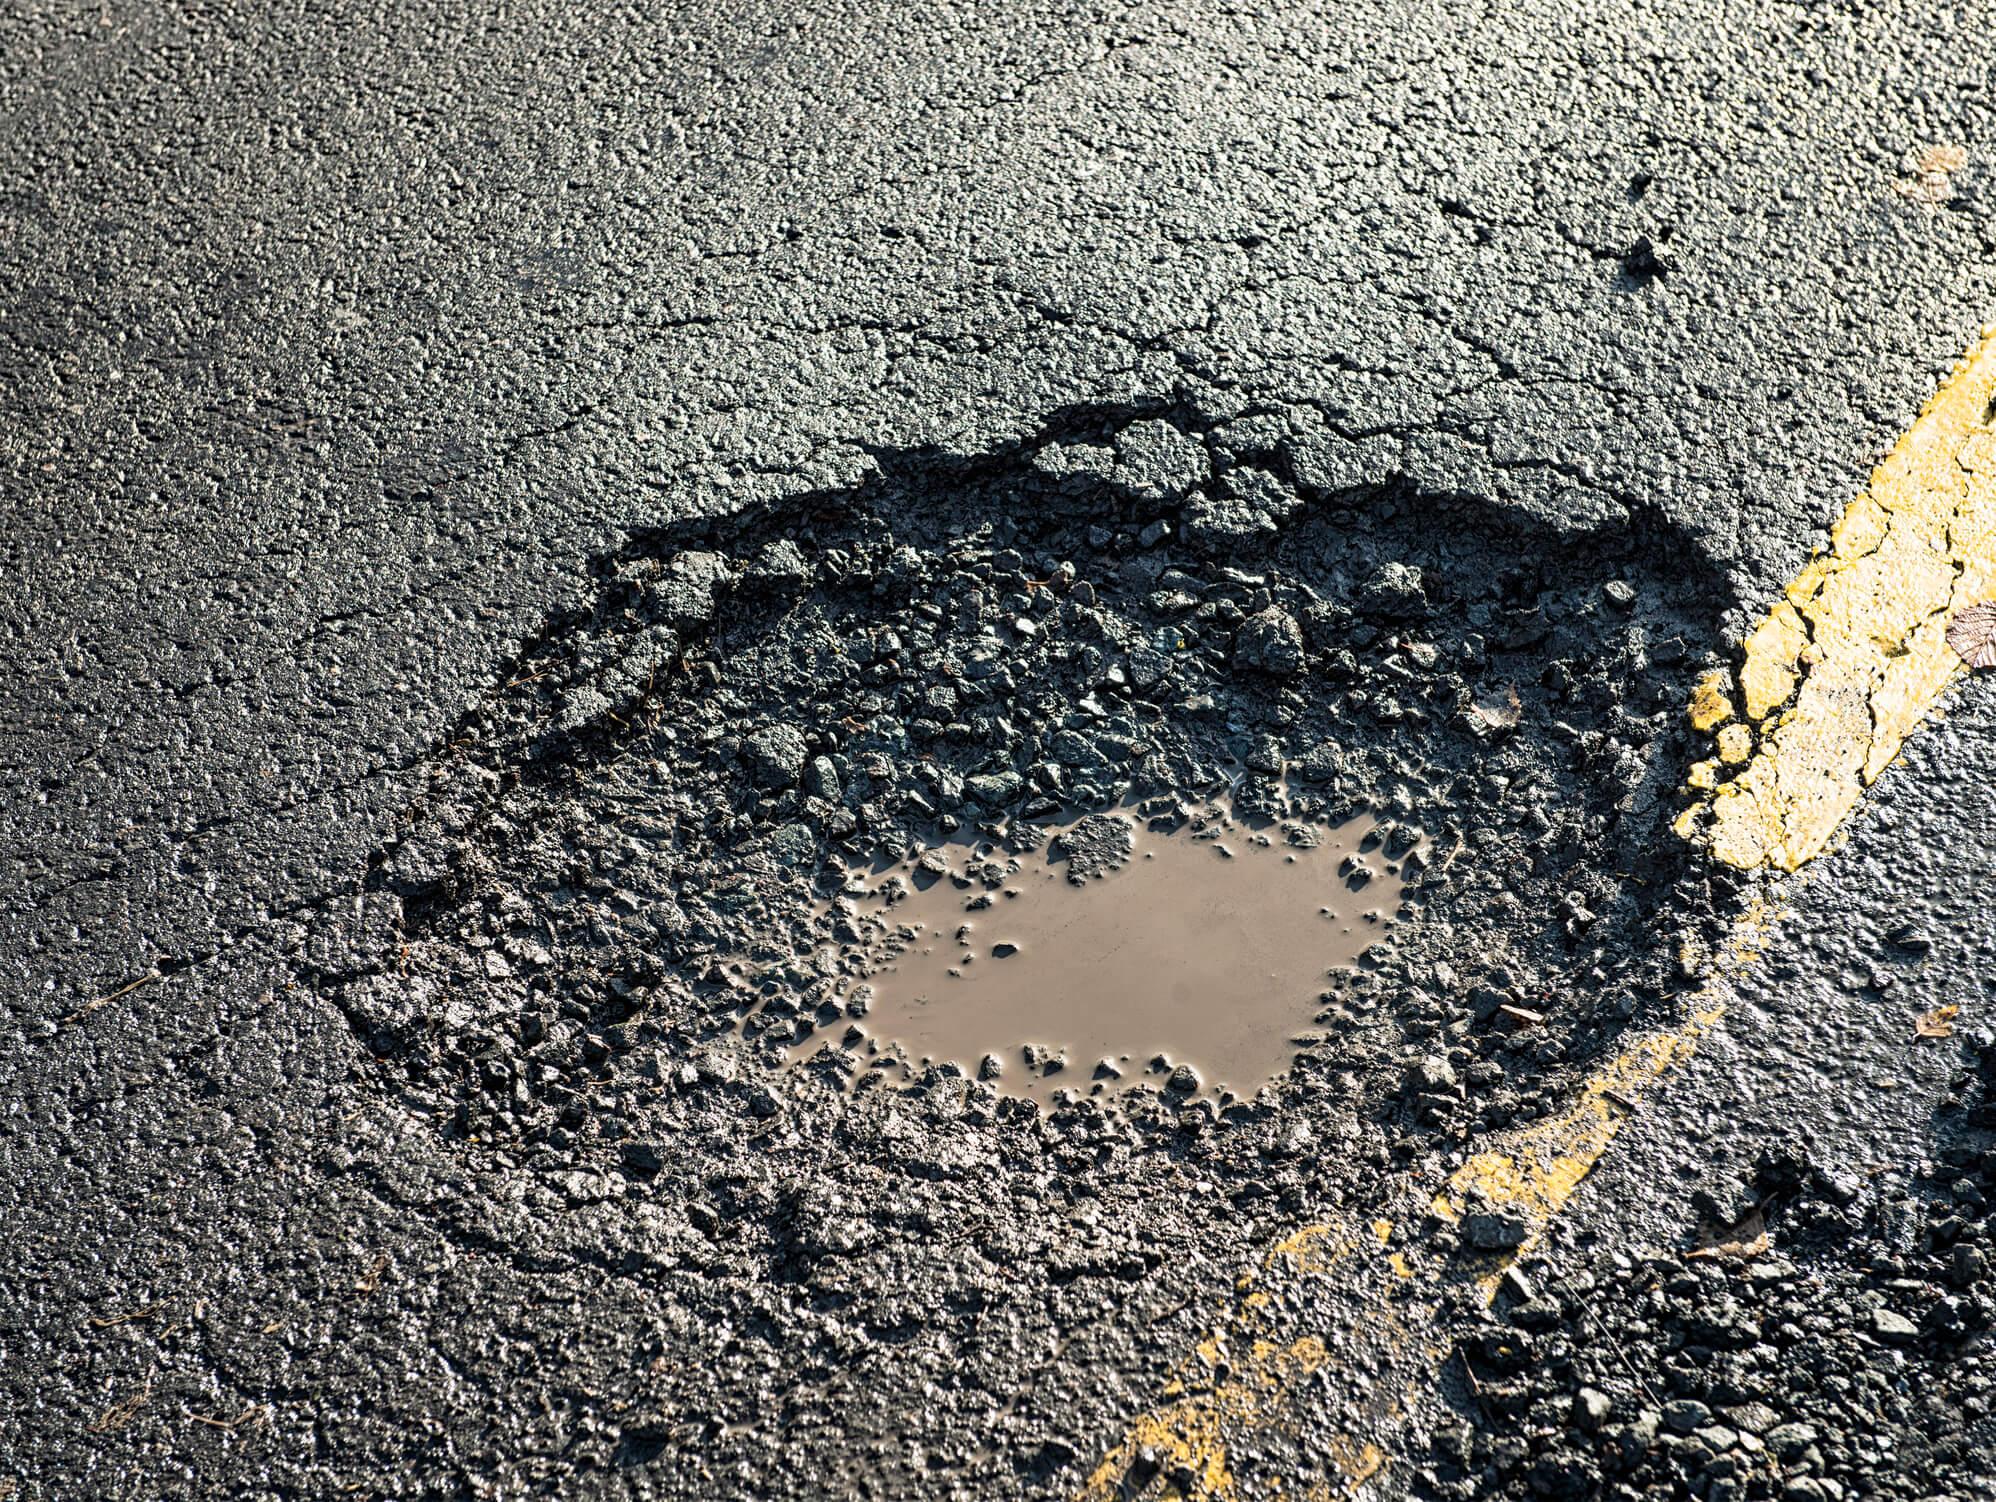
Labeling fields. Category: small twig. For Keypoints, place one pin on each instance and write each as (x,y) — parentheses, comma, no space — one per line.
(1613,1344)
(104,1001)
(125,1319)
(120,1414)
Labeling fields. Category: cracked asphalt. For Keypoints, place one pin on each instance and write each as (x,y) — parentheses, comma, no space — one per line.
(393,396)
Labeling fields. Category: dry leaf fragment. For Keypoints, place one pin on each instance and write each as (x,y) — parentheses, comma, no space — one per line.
(371,1279)
(1941,159)
(1926,173)
(1972,634)
(1936,1023)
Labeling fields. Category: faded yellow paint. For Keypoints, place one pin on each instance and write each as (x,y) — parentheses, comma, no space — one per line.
(1312,1249)
(1711,701)
(1855,655)
(1220,1395)
(1535,1173)
(1735,744)
(1537,1170)
(1240,1377)
(1357,1462)
(1191,1434)
(1773,651)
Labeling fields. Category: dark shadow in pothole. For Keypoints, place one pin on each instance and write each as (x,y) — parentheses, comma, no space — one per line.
(1133,600)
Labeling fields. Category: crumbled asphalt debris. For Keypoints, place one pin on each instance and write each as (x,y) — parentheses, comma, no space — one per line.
(1271,642)
(891,699)
(1785,1376)
(955,648)
(776,756)
(1495,1230)
(1096,845)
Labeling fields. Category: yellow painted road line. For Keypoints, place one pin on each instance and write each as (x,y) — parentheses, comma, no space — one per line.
(1239,1380)
(1238,1384)
(1531,1174)
(1843,669)
(1854,655)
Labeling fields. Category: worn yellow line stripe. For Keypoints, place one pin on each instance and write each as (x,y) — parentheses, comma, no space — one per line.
(1270,1339)
(1854,655)
(1238,1381)
(1846,665)
(1533,1173)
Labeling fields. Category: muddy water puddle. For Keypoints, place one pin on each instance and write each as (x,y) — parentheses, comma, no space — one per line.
(1121,949)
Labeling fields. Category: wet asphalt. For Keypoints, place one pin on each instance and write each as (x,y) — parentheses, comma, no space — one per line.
(349,357)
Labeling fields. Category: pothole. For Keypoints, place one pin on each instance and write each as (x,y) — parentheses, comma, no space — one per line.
(1162,947)
(667,788)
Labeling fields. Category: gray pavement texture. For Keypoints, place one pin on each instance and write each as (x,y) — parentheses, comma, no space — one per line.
(360,364)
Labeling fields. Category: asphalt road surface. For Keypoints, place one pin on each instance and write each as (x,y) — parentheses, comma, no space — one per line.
(503,508)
